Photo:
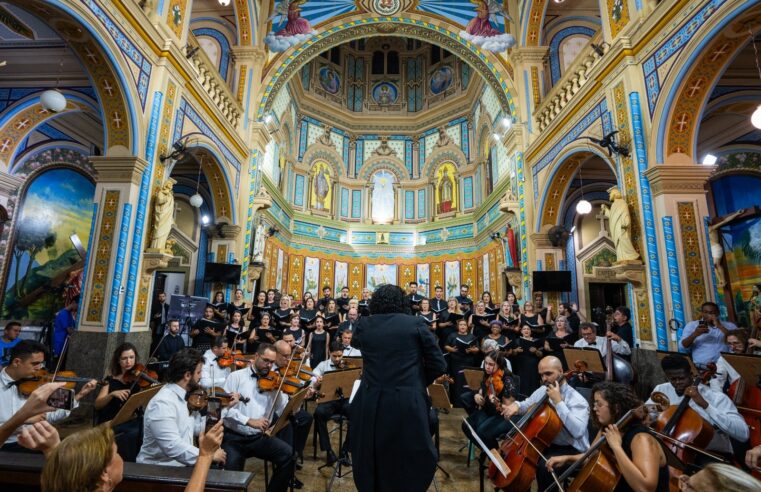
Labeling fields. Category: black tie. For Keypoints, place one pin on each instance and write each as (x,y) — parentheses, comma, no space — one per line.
(254,373)
(593,343)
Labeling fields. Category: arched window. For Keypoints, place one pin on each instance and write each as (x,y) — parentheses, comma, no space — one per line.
(383,202)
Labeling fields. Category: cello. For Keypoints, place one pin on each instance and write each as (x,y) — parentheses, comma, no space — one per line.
(617,368)
(522,447)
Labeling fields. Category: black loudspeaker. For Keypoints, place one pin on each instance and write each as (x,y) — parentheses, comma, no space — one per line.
(222,272)
(554,281)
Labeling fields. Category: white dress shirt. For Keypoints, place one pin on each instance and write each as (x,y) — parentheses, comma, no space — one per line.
(724,373)
(620,348)
(245,382)
(11,402)
(573,412)
(211,374)
(168,429)
(322,368)
(721,412)
(352,352)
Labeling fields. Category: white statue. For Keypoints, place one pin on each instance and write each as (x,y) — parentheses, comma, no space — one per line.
(258,253)
(620,227)
(163,215)
(717,250)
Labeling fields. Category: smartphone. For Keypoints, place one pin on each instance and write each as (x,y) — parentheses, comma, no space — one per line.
(62,398)
(213,412)
(702,322)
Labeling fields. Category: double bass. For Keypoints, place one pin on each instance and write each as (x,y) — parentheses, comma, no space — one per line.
(520,450)
(616,367)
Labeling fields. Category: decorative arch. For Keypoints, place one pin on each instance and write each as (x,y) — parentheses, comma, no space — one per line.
(559,181)
(436,31)
(328,154)
(222,42)
(557,40)
(103,60)
(211,159)
(449,153)
(374,164)
(680,104)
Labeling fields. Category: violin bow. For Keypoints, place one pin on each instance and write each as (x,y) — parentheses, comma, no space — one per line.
(60,357)
(554,476)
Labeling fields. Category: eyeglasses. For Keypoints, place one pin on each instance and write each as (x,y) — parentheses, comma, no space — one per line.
(267,361)
(599,405)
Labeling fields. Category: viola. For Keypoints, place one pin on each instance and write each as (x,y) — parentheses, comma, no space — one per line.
(273,381)
(27,386)
(539,427)
(297,370)
(140,376)
(217,392)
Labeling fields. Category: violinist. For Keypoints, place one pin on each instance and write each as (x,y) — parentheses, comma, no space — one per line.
(638,454)
(169,426)
(172,342)
(245,423)
(27,357)
(589,338)
(349,350)
(714,407)
(324,411)
(497,389)
(571,407)
(205,329)
(212,374)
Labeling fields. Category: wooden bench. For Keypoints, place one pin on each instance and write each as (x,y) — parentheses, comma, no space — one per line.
(22,469)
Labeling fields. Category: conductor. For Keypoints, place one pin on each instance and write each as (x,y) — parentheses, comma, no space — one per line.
(391,444)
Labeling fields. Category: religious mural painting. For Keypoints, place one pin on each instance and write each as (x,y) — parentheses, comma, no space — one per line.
(452,278)
(44,260)
(385,93)
(446,189)
(289,28)
(322,187)
(484,31)
(423,279)
(341,273)
(379,275)
(329,79)
(312,276)
(382,197)
(485,271)
(280,264)
(441,79)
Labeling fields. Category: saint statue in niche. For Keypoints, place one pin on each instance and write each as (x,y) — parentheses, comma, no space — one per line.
(383,197)
(620,227)
(163,215)
(321,187)
(446,190)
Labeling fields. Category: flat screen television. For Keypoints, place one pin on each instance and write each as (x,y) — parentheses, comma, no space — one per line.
(222,272)
(555,281)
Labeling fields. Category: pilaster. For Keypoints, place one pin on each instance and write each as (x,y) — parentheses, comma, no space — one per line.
(528,65)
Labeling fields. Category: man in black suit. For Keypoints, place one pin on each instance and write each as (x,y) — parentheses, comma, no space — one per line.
(159,317)
(322,303)
(400,359)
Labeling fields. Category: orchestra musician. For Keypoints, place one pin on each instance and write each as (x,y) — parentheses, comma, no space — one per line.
(713,406)
(26,358)
(571,407)
(589,338)
(726,374)
(638,454)
(245,424)
(168,425)
(212,374)
(324,411)
(348,349)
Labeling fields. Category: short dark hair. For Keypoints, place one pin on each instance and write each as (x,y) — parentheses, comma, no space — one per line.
(625,311)
(26,348)
(160,292)
(265,347)
(567,306)
(465,285)
(186,360)
(11,324)
(620,397)
(326,287)
(335,346)
(116,368)
(412,283)
(587,324)
(709,303)
(388,299)
(344,288)
(438,287)
(675,362)
(218,341)
(169,322)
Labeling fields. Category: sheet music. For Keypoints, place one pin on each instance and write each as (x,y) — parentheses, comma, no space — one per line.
(354,389)
(497,460)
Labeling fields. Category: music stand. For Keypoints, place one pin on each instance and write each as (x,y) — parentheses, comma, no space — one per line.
(188,309)
(473,378)
(747,365)
(139,399)
(294,403)
(337,384)
(492,454)
(353,362)
(589,355)
(663,353)
(439,401)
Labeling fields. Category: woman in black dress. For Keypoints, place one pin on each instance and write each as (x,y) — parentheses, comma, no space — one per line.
(238,301)
(425,312)
(236,331)
(318,342)
(332,317)
(495,333)
(534,320)
(112,397)
(307,314)
(283,314)
(510,325)
(561,338)
(479,325)
(264,333)
(257,308)
(203,335)
(488,304)
(447,322)
(272,303)
(220,306)
(524,354)
(462,348)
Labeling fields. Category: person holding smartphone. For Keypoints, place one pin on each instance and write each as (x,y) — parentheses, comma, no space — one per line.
(571,407)
(705,338)
(26,358)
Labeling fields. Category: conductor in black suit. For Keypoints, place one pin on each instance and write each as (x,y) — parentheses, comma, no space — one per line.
(391,444)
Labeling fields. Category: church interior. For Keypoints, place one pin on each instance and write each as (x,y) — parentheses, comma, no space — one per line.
(578,153)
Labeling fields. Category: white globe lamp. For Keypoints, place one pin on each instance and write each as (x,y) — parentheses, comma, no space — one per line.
(53,100)
(224,3)
(583,207)
(755,118)
(196,200)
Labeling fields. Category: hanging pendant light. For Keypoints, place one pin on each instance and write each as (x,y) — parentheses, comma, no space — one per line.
(52,99)
(755,118)
(197,200)
(583,207)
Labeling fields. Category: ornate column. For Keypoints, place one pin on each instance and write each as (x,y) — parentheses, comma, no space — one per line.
(528,63)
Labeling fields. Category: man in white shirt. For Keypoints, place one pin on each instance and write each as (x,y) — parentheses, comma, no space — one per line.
(245,424)
(714,407)
(324,411)
(348,350)
(211,373)
(571,407)
(168,425)
(705,338)
(589,338)
(26,358)
(725,373)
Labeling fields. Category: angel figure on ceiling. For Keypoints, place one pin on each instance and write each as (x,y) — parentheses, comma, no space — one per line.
(296,30)
(483,29)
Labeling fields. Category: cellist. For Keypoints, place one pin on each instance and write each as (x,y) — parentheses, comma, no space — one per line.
(571,407)
(638,455)
(714,407)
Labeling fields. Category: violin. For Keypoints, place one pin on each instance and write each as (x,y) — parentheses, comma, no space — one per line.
(27,386)
(538,428)
(232,357)
(140,376)
(297,370)
(217,392)
(273,381)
